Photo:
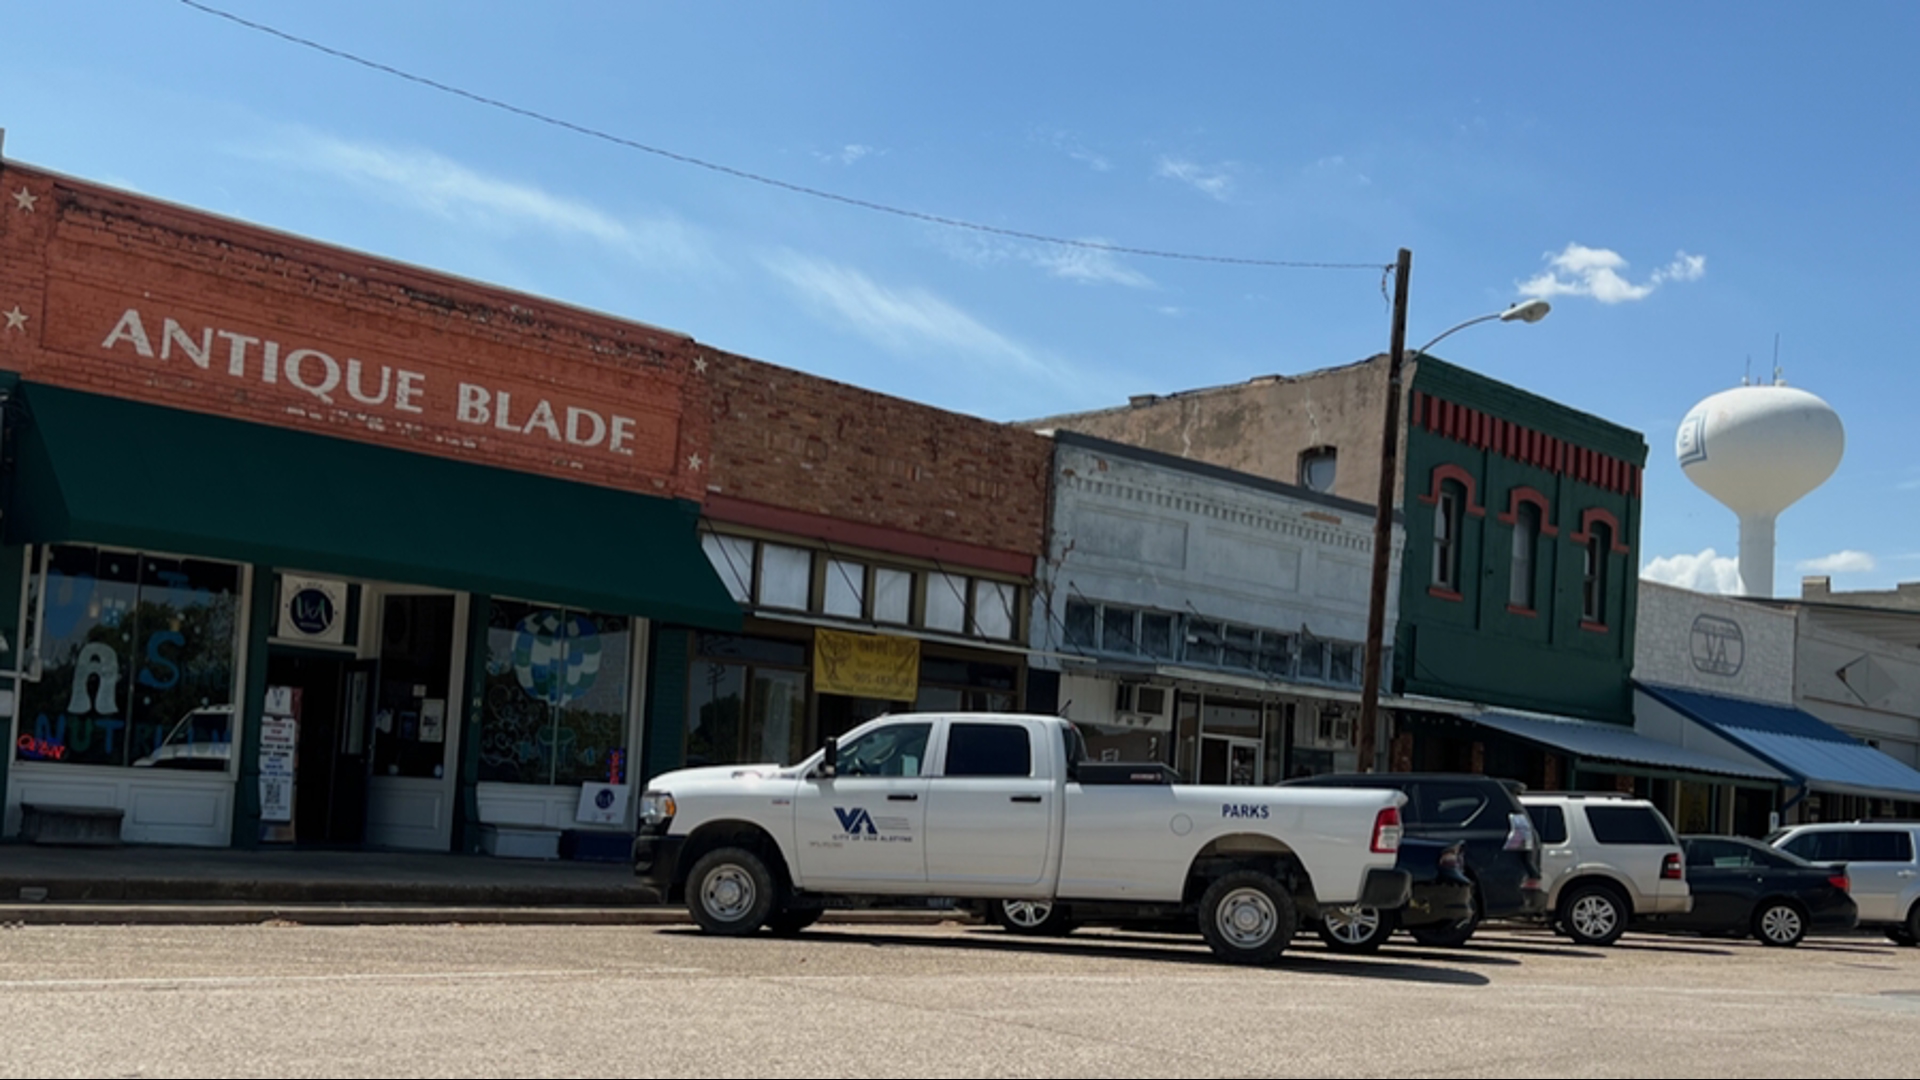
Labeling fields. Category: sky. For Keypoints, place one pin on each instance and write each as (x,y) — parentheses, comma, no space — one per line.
(1696,188)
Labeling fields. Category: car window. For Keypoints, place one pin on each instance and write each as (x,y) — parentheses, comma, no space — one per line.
(1449,806)
(893,750)
(1877,845)
(1628,825)
(1550,822)
(1774,858)
(1815,846)
(989,750)
(1719,854)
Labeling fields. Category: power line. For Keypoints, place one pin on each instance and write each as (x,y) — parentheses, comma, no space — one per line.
(742,174)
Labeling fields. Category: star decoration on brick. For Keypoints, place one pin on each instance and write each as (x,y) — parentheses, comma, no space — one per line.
(695,462)
(16,319)
(699,365)
(25,199)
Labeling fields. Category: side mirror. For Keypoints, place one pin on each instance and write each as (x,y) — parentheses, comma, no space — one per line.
(830,764)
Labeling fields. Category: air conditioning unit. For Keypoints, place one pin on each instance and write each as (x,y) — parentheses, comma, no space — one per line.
(1143,706)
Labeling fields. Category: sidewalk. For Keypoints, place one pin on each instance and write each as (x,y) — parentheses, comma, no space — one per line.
(144,884)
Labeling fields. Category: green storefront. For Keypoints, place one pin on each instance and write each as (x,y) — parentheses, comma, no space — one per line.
(238,633)
(1518,586)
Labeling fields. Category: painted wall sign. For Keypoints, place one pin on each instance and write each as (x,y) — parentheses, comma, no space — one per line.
(313,610)
(332,378)
(1718,646)
(866,665)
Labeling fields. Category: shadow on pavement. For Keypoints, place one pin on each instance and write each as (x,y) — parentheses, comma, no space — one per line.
(1135,947)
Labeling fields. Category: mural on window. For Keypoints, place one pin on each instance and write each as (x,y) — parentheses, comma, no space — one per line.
(557,692)
(138,662)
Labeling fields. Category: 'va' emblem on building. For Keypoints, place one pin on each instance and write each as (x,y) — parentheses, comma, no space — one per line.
(1719,648)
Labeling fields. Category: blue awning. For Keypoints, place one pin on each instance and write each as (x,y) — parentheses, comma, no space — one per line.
(1614,742)
(1808,749)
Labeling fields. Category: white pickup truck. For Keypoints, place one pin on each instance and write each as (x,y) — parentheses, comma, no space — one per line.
(999,808)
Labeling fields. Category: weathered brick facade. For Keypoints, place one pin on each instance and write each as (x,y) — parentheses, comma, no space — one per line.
(868,469)
(126,296)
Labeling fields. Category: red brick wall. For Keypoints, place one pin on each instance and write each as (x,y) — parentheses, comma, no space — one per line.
(921,480)
(126,296)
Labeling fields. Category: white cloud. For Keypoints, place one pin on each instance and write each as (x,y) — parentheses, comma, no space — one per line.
(847,154)
(1090,265)
(908,320)
(445,187)
(1707,572)
(1215,182)
(1069,144)
(1086,265)
(1583,271)
(1840,562)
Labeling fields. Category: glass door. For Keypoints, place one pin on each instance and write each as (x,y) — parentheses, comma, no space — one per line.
(413,740)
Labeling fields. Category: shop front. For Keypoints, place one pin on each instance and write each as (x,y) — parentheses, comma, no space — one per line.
(322,642)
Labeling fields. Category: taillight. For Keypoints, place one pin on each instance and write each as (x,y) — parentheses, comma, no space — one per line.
(1520,833)
(1841,882)
(1386,831)
(1673,869)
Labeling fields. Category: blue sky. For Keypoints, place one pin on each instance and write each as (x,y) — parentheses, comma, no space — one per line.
(1686,183)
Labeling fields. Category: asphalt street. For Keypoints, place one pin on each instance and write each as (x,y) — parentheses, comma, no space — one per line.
(284,999)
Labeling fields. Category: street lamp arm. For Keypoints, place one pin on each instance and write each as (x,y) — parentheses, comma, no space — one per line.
(1531,311)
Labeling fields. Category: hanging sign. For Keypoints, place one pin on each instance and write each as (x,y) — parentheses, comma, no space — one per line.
(866,665)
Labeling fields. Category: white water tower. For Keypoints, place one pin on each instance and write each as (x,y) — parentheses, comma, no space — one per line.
(1758,449)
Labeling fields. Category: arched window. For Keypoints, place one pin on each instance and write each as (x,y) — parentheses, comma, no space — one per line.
(1447,512)
(1526,543)
(1593,595)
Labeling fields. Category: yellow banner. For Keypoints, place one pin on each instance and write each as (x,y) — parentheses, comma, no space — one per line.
(866,665)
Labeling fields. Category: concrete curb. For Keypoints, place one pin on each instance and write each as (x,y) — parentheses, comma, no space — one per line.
(320,914)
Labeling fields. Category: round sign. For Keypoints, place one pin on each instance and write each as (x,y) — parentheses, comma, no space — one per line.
(311,611)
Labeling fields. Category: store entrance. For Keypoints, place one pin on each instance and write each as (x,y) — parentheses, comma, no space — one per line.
(319,704)
(1228,760)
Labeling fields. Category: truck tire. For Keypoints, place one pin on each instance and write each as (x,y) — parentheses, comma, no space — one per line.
(1247,917)
(1594,915)
(730,892)
(1033,917)
(1355,929)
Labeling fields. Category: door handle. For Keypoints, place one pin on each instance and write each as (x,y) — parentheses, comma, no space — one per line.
(1026,798)
(903,798)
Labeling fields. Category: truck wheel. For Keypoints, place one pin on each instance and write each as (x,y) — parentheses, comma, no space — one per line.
(1779,923)
(1247,918)
(1035,917)
(730,892)
(793,920)
(1355,929)
(1594,915)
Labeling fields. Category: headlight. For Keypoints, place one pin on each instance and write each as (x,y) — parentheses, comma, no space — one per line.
(656,807)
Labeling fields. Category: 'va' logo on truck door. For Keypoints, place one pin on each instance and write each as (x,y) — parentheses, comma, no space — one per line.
(855,821)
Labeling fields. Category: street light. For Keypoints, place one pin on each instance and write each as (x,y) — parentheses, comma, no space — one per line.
(1531,311)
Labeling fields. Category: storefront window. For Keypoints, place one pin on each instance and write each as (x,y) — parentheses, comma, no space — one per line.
(558,684)
(747,702)
(846,589)
(138,655)
(946,602)
(948,685)
(411,716)
(993,608)
(892,596)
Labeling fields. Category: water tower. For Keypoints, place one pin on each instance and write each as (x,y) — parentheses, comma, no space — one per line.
(1758,449)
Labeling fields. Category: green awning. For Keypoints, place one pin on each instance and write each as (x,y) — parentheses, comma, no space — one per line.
(96,469)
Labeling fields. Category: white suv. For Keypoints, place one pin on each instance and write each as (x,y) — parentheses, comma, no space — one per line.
(1882,859)
(1606,859)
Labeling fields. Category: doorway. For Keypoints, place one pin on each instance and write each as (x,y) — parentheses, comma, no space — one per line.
(329,697)
(1226,759)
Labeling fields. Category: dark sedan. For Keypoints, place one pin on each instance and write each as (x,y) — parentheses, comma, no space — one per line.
(1742,887)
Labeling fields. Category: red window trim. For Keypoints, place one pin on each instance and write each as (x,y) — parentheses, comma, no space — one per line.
(1450,471)
(1445,594)
(1593,627)
(1528,495)
(1515,609)
(1592,514)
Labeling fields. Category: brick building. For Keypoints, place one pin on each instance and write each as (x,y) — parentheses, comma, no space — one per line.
(308,546)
